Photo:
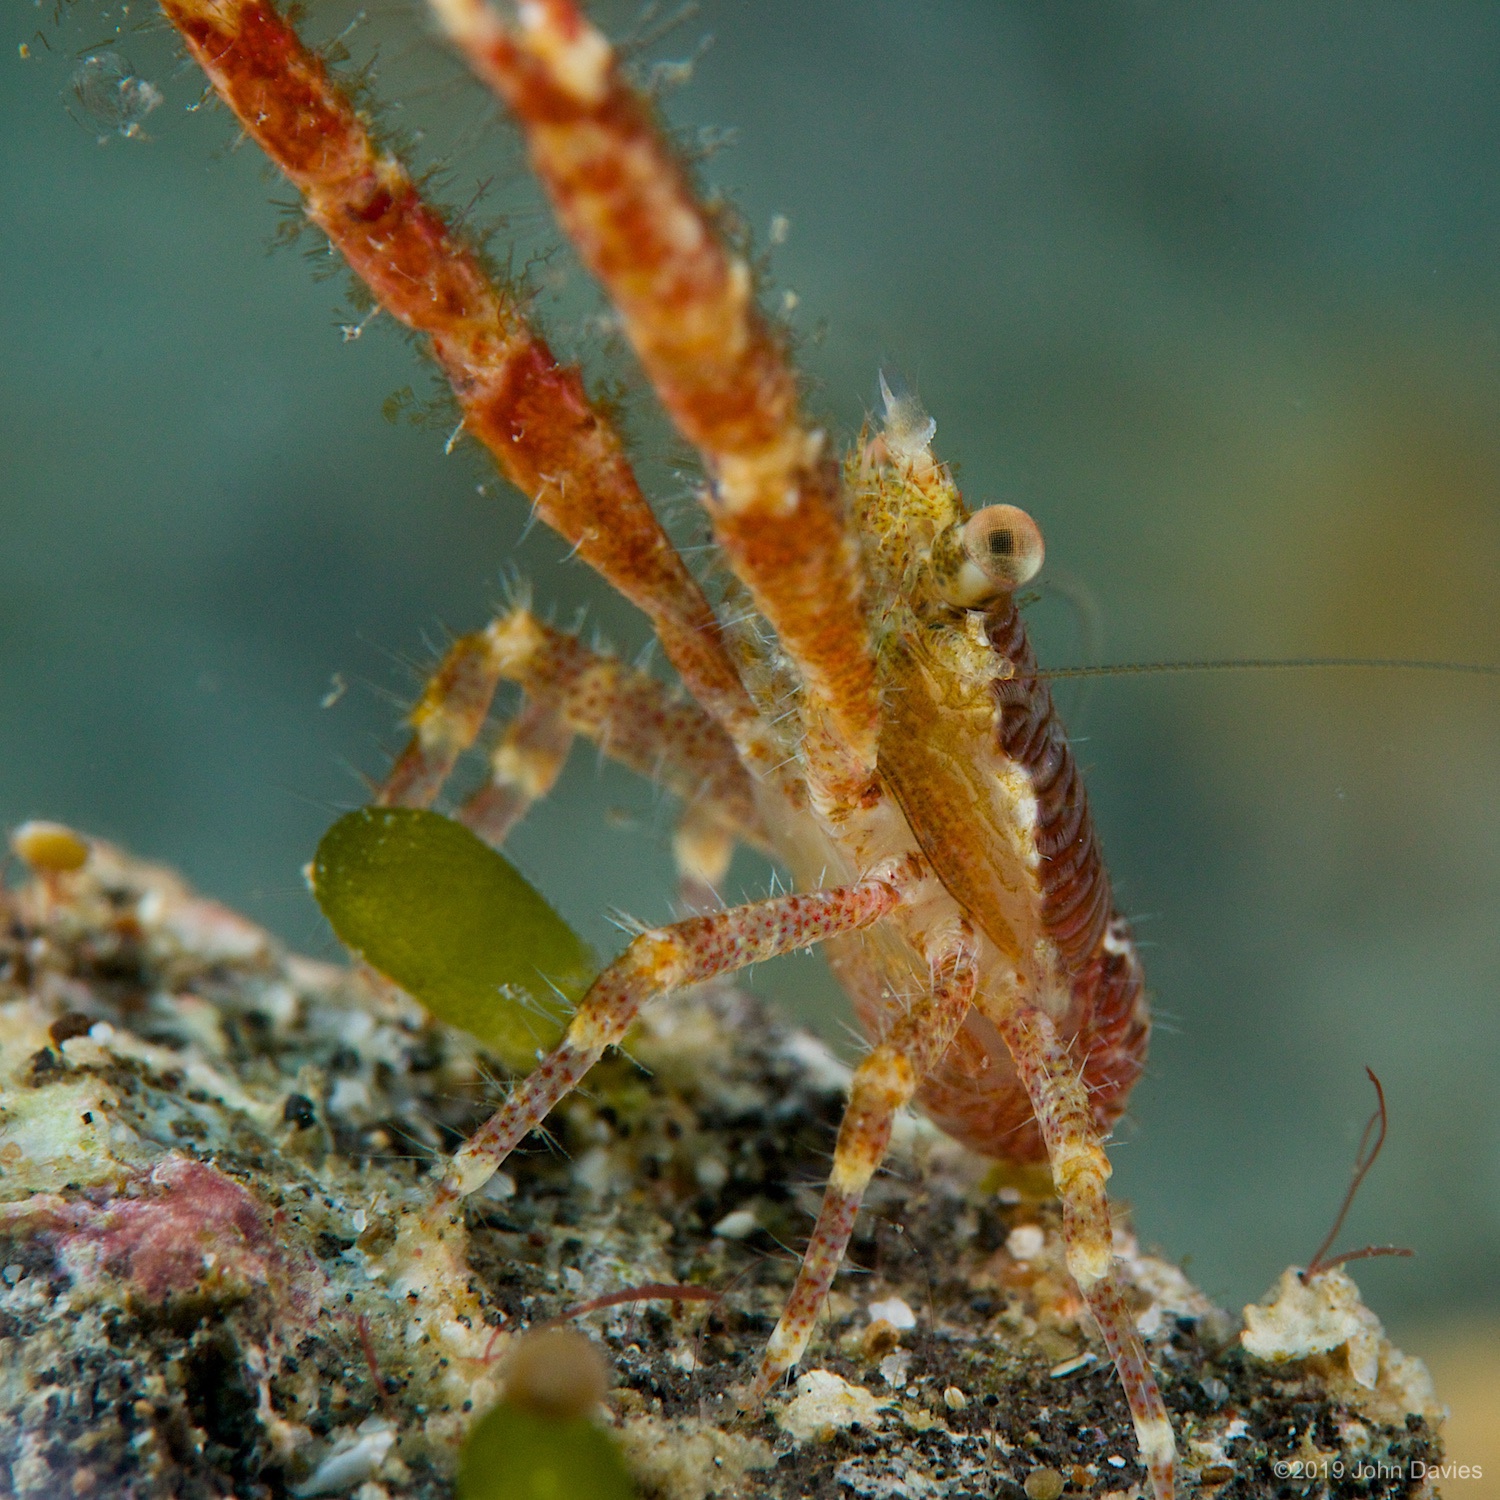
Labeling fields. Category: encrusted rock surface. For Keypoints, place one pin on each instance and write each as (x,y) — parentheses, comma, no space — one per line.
(208,1148)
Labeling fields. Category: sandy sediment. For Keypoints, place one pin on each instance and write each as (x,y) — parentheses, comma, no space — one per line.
(208,1148)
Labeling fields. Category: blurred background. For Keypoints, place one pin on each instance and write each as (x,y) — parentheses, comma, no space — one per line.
(1213,291)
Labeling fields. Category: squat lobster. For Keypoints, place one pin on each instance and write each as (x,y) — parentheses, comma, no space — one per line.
(895,747)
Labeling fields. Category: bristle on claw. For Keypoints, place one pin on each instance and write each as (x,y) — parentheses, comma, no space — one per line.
(907,428)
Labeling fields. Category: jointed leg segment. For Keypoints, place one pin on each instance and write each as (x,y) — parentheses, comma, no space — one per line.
(524,766)
(664,959)
(1080,1170)
(688,307)
(571,690)
(447,719)
(702,847)
(529,410)
(687,303)
(882,1084)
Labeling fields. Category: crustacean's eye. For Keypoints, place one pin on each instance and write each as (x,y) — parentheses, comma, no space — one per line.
(993,552)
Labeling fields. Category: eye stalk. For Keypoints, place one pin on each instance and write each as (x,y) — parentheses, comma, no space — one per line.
(994,552)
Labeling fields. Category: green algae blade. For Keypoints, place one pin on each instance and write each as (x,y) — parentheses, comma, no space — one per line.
(455,924)
(516,1453)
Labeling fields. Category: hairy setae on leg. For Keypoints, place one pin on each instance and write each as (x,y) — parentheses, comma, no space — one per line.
(571,690)
(883,1083)
(809,792)
(688,306)
(530,411)
(655,963)
(1080,1170)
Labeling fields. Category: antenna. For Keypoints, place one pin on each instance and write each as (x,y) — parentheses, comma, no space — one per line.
(1275,664)
(1364,1159)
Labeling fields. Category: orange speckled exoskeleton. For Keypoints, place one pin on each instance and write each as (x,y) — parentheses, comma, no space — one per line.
(894,747)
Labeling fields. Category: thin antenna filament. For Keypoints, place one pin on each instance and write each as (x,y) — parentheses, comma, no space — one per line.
(1274,664)
(1364,1159)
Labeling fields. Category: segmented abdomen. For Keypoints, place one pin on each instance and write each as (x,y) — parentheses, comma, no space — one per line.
(1074,885)
(973,1094)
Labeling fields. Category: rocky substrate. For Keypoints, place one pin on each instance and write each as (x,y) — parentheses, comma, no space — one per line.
(212,1151)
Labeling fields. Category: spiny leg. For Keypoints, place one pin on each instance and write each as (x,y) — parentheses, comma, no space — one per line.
(883,1083)
(632,717)
(688,307)
(529,410)
(446,720)
(1080,1170)
(663,959)
(525,763)
(572,690)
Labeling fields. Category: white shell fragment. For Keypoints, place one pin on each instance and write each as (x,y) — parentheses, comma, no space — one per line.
(1074,1365)
(1026,1241)
(1327,1317)
(738,1225)
(1318,1318)
(353,1460)
(893,1310)
(824,1403)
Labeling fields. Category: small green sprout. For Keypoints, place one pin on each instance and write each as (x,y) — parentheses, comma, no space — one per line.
(455,924)
(541,1442)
